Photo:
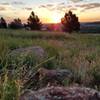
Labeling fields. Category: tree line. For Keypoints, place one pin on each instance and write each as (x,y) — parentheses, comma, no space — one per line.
(70,23)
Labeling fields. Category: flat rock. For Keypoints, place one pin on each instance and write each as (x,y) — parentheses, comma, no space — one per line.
(61,93)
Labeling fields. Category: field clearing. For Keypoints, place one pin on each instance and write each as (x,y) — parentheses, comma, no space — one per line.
(77,52)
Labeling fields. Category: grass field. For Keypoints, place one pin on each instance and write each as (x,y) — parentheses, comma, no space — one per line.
(77,52)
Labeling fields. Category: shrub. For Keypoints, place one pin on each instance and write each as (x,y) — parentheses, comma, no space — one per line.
(16,24)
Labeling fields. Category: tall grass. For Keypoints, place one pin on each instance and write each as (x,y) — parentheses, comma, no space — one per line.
(79,53)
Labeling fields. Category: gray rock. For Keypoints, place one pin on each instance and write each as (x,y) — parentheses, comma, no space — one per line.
(23,61)
(37,50)
(44,77)
(62,93)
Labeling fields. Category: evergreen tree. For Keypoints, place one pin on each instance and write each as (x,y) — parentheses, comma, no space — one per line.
(16,24)
(34,22)
(70,22)
(3,23)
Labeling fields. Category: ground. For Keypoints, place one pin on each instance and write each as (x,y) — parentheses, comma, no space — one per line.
(79,53)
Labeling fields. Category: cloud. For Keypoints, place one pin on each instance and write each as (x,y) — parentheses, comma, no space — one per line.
(42,6)
(52,7)
(75,1)
(46,6)
(61,4)
(5,3)
(6,7)
(2,8)
(18,3)
(88,6)
(49,7)
(60,7)
(28,8)
(73,9)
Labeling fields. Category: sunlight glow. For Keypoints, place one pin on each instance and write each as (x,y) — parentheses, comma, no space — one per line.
(56,18)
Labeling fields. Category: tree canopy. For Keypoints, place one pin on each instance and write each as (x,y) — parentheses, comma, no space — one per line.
(3,23)
(34,22)
(70,22)
(16,24)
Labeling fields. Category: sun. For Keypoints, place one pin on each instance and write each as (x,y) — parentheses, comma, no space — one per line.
(56,18)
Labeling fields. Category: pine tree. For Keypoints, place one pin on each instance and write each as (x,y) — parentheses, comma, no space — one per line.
(70,22)
(3,23)
(34,22)
(16,24)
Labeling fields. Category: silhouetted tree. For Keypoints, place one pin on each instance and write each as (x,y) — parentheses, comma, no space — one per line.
(3,23)
(34,22)
(70,22)
(16,24)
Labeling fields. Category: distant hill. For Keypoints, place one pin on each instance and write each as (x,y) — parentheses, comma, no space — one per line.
(90,27)
(92,23)
(86,27)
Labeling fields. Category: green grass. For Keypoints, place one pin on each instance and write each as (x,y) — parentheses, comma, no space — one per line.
(79,53)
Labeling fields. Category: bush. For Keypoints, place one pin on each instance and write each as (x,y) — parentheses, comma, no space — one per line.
(16,24)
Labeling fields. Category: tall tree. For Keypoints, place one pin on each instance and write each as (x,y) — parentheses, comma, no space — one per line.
(16,24)
(34,22)
(70,22)
(3,23)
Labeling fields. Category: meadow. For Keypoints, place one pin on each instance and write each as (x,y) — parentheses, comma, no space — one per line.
(77,52)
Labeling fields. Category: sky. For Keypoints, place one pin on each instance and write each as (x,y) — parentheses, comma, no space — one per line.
(50,11)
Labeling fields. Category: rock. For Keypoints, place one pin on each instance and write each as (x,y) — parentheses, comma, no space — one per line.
(44,77)
(61,93)
(37,50)
(28,95)
(52,76)
(22,61)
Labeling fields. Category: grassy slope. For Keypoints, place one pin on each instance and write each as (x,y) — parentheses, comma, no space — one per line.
(77,52)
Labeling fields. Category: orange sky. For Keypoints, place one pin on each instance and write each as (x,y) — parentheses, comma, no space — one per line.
(50,11)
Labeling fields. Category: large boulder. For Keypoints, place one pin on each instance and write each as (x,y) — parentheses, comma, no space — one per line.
(23,61)
(36,50)
(61,93)
(46,77)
